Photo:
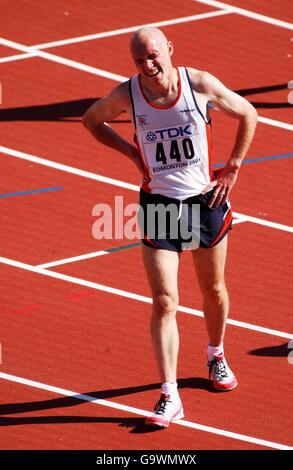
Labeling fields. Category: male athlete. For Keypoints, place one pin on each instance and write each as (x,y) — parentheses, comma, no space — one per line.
(169,109)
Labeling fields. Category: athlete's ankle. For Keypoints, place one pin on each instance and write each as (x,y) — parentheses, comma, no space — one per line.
(171,389)
(214,351)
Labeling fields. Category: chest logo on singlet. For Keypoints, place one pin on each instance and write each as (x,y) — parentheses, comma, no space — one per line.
(151,137)
(169,133)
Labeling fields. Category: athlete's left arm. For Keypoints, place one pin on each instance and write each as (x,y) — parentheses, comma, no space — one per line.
(237,107)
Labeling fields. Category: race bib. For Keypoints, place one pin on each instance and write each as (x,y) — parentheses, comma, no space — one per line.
(169,149)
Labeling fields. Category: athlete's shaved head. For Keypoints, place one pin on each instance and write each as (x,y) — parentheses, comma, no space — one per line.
(151,52)
(147,35)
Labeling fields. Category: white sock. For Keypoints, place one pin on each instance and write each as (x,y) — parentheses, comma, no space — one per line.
(214,351)
(170,388)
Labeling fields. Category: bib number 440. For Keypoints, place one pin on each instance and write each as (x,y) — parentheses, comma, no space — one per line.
(175,154)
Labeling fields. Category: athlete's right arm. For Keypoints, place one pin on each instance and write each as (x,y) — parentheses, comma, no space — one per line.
(107,109)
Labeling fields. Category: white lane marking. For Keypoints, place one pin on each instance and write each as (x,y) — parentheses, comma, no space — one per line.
(237,221)
(130,29)
(67,168)
(121,184)
(15,57)
(114,32)
(248,13)
(62,60)
(93,254)
(105,74)
(270,122)
(265,223)
(131,295)
(140,412)
(59,262)
(274,123)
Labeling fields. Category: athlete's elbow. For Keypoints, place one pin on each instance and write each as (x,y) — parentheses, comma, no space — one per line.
(252,118)
(251,112)
(248,115)
(86,120)
(91,123)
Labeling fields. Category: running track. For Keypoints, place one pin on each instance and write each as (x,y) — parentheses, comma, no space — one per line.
(77,366)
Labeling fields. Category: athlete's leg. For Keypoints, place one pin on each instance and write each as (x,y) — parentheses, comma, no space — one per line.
(210,267)
(162,270)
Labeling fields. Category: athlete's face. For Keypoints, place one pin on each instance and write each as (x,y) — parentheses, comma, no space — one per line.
(152,58)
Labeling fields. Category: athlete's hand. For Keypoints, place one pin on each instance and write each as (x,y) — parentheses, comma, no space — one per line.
(223,183)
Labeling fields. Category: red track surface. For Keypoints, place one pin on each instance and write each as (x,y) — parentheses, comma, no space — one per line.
(92,342)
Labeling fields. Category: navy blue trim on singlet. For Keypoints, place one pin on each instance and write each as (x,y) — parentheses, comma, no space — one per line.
(132,102)
(196,105)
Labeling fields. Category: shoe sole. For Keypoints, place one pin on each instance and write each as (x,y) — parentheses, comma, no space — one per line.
(157,424)
(219,389)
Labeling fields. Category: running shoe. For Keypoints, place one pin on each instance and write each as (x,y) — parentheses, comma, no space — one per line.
(221,375)
(165,412)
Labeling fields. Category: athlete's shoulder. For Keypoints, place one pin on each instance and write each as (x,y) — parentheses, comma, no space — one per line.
(110,106)
(119,96)
(201,80)
(121,91)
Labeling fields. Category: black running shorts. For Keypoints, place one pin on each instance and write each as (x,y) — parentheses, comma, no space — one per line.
(175,225)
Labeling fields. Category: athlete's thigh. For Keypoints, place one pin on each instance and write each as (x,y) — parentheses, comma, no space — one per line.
(162,270)
(210,263)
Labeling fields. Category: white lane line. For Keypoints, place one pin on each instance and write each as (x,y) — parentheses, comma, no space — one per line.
(248,13)
(121,184)
(60,262)
(131,295)
(105,74)
(67,168)
(15,57)
(62,60)
(115,32)
(94,254)
(274,123)
(238,221)
(270,122)
(130,29)
(140,412)
(265,223)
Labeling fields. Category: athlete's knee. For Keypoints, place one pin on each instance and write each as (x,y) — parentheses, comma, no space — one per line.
(165,304)
(215,290)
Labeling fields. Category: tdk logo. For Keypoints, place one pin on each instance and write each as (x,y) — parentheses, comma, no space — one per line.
(170,133)
(151,136)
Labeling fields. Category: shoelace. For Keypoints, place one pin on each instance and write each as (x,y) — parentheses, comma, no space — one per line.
(160,407)
(220,368)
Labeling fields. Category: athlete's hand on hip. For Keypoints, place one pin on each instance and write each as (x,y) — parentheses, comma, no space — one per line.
(224,181)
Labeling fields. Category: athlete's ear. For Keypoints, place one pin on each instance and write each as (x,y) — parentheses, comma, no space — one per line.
(170,48)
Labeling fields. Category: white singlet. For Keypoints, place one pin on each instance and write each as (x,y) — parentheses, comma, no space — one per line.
(174,141)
